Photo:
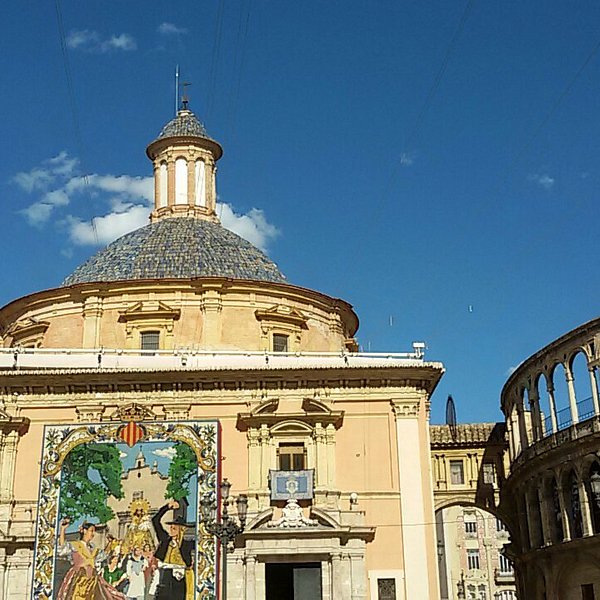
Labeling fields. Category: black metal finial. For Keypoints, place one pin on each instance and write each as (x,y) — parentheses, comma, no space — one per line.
(184,98)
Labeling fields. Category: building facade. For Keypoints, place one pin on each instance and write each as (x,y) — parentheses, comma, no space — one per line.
(171,328)
(552,415)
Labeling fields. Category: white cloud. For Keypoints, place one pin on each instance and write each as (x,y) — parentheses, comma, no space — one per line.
(407,159)
(252,226)
(89,40)
(82,38)
(39,178)
(171,29)
(165,452)
(127,199)
(543,180)
(124,41)
(122,454)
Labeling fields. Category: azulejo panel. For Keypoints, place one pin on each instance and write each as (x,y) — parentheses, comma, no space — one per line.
(119,511)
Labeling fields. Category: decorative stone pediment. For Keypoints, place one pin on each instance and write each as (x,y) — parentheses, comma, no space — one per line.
(28,331)
(282,314)
(149,310)
(133,412)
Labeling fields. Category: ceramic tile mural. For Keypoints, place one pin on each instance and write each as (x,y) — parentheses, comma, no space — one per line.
(119,511)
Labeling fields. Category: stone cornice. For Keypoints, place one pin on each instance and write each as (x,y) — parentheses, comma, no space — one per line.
(59,381)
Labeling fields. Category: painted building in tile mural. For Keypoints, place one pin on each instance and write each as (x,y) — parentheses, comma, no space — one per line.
(181,354)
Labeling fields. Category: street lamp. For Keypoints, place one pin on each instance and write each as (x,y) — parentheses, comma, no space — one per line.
(595,486)
(227,528)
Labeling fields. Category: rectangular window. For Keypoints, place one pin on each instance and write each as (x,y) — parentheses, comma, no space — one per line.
(500,526)
(505,564)
(386,589)
(457,473)
(280,342)
(150,340)
(587,591)
(291,457)
(471,528)
(473,559)
(489,473)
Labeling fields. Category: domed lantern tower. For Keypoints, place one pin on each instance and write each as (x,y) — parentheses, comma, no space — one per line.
(184,159)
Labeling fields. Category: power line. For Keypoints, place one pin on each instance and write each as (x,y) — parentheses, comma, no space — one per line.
(215,58)
(239,60)
(72,101)
(566,91)
(414,131)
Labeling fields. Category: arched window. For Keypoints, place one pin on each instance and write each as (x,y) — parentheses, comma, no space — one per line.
(181,181)
(162,184)
(199,176)
(561,397)
(581,383)
(544,402)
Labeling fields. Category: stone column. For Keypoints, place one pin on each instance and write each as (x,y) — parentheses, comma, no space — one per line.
(191,172)
(587,526)
(170,181)
(572,396)
(254,462)
(534,400)
(545,514)
(358,575)
(7,466)
(523,434)
(342,581)
(566,521)
(594,386)
(552,404)
(250,578)
(321,458)
(330,435)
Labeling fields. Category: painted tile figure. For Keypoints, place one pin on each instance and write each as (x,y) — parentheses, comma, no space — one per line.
(82,581)
(127,527)
(175,555)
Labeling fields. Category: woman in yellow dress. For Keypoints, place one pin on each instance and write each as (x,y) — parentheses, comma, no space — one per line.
(83,581)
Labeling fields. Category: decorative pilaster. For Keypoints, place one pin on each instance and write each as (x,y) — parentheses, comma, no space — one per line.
(417,522)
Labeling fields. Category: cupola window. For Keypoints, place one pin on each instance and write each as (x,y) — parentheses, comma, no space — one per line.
(280,342)
(150,340)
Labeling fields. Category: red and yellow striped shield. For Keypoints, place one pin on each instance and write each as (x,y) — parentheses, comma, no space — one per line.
(131,433)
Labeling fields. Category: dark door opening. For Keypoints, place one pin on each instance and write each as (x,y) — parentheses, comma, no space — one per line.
(293,581)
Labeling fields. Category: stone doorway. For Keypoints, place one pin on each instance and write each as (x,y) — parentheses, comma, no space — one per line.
(293,581)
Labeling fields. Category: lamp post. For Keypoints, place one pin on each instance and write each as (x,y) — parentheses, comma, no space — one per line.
(227,528)
(595,486)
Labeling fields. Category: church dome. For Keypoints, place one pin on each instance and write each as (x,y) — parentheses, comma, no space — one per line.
(186,123)
(177,248)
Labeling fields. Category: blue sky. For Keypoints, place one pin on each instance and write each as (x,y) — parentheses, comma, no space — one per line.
(470,226)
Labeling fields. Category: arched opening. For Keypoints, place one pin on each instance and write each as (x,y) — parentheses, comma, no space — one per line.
(541,388)
(561,397)
(593,476)
(470,546)
(556,521)
(581,383)
(573,502)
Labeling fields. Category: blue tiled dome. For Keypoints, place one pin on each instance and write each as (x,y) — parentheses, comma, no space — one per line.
(185,123)
(178,248)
